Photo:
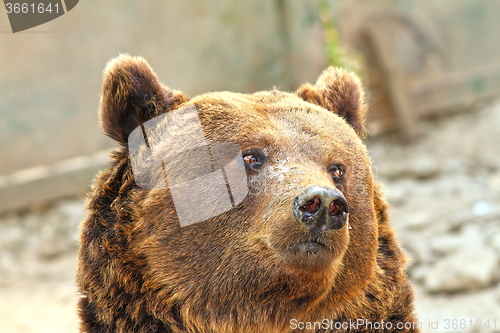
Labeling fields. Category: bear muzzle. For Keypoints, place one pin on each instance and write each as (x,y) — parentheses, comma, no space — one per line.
(320,209)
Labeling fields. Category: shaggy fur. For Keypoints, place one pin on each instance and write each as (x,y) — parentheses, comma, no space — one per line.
(139,271)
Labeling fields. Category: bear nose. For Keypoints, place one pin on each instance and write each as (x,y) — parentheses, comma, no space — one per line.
(320,207)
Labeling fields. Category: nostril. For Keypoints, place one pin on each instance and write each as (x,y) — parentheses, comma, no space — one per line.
(338,208)
(312,206)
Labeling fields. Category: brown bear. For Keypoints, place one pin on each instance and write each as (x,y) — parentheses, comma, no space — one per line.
(304,246)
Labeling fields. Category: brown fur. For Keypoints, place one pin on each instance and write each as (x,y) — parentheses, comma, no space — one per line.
(139,271)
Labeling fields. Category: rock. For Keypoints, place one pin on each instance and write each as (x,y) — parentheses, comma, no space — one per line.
(446,188)
(73,210)
(397,194)
(6,260)
(453,166)
(494,182)
(11,234)
(418,273)
(423,168)
(417,168)
(445,244)
(461,218)
(478,306)
(59,231)
(390,171)
(419,251)
(470,268)
(481,207)
(470,237)
(494,241)
(419,220)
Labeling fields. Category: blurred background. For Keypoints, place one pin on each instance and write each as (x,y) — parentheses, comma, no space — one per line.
(431,69)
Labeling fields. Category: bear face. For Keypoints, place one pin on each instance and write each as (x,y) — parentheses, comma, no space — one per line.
(308,241)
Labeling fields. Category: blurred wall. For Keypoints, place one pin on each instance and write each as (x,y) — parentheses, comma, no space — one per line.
(50,76)
(422,57)
(464,33)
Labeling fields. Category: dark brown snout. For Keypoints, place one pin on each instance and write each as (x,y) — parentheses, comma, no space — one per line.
(321,208)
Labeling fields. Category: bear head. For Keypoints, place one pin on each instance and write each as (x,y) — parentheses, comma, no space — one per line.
(300,238)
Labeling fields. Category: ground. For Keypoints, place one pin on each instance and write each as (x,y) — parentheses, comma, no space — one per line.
(444,192)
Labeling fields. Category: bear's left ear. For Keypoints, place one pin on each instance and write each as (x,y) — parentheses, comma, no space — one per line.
(339,91)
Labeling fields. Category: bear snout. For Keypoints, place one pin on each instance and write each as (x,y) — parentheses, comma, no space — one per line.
(320,208)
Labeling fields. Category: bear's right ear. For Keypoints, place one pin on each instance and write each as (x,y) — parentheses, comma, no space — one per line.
(339,91)
(132,95)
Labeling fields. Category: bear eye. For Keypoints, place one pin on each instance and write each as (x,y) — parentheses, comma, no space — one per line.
(250,159)
(337,171)
(253,159)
